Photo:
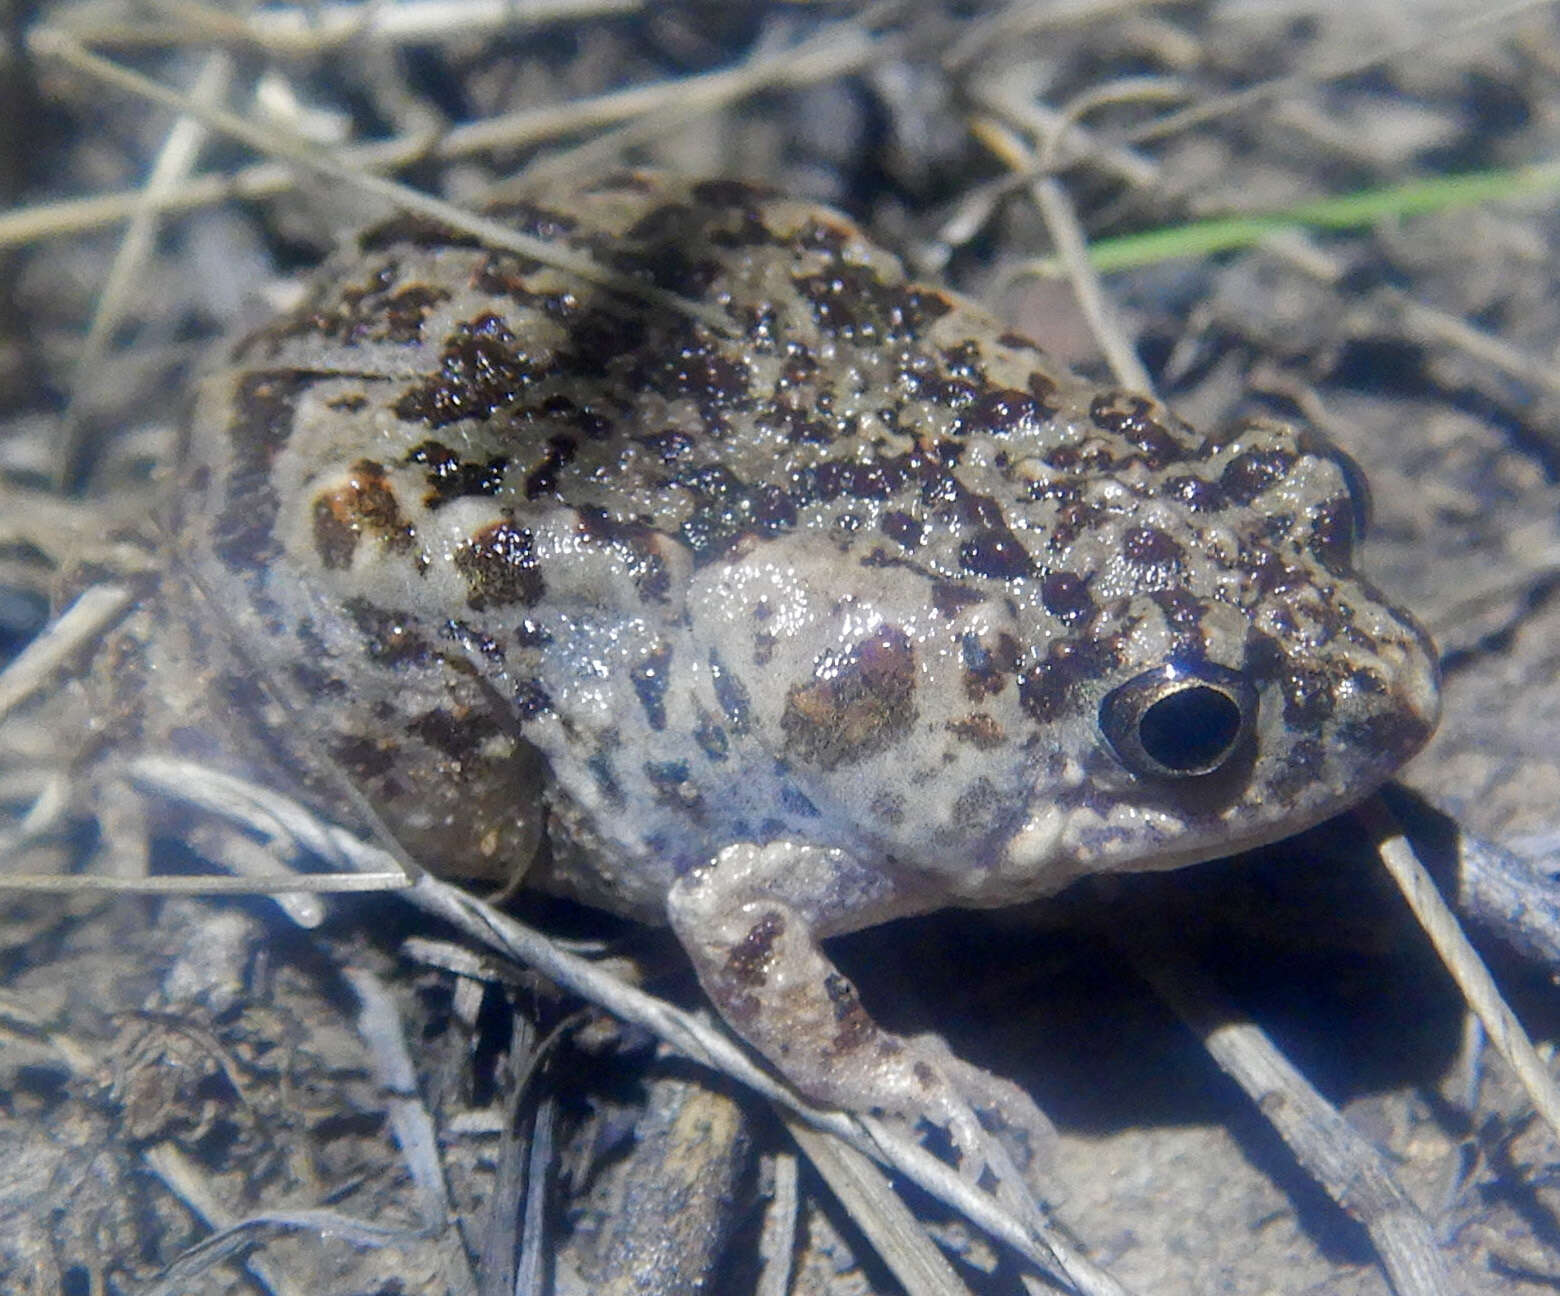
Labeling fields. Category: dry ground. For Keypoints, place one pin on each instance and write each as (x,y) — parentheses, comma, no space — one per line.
(171,1066)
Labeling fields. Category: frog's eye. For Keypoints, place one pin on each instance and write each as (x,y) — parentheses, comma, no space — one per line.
(1180,720)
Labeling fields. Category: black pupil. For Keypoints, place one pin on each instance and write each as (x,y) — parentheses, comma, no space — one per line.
(1191,729)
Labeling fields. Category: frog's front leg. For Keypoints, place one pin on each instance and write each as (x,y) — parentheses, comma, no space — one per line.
(751,920)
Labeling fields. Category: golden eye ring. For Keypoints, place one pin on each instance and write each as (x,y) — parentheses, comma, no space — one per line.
(1181,720)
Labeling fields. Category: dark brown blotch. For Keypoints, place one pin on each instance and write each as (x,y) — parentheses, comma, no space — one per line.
(1254,472)
(650,676)
(1049,689)
(1043,388)
(1196,493)
(1390,736)
(531,699)
(503,274)
(797,802)
(500,567)
(481,370)
(417,231)
(800,426)
(902,529)
(637,547)
(726,509)
(1141,422)
(458,735)
(337,311)
(749,960)
(599,336)
(980,807)
(888,807)
(1308,697)
(950,597)
(533,218)
(995,552)
(450,477)
(1333,530)
(365,759)
(1269,572)
(858,703)
(987,663)
(731,694)
(711,737)
(854,302)
(264,407)
(875,479)
(741,195)
(1303,766)
(710,375)
(390,637)
(1183,610)
(604,776)
(403,313)
(668,446)
(674,786)
(978,729)
(853,1025)
(1150,547)
(338,520)
(1004,412)
(1066,596)
(543,479)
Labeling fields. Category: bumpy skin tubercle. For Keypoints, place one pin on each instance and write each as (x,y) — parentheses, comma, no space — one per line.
(860,607)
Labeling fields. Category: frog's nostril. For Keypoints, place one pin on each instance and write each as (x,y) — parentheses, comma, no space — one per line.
(1178,721)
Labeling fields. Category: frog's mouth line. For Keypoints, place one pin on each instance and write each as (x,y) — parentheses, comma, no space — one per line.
(1228,844)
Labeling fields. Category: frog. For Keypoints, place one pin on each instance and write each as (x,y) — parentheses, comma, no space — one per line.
(832,602)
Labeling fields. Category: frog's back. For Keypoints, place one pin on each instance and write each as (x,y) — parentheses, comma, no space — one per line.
(859,569)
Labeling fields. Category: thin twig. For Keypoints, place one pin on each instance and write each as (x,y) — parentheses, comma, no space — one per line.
(1463,962)
(777,1240)
(1066,232)
(838,49)
(187,1181)
(879,1212)
(379,1026)
(1439,36)
(286,827)
(52,43)
(318,28)
(173,162)
(94,610)
(521,129)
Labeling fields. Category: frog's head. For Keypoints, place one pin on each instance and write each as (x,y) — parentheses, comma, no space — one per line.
(1234,682)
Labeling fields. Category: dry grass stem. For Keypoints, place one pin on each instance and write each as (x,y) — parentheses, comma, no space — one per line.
(879,1212)
(174,161)
(1463,962)
(379,1024)
(80,624)
(777,1242)
(318,28)
(49,43)
(1061,222)
(1277,88)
